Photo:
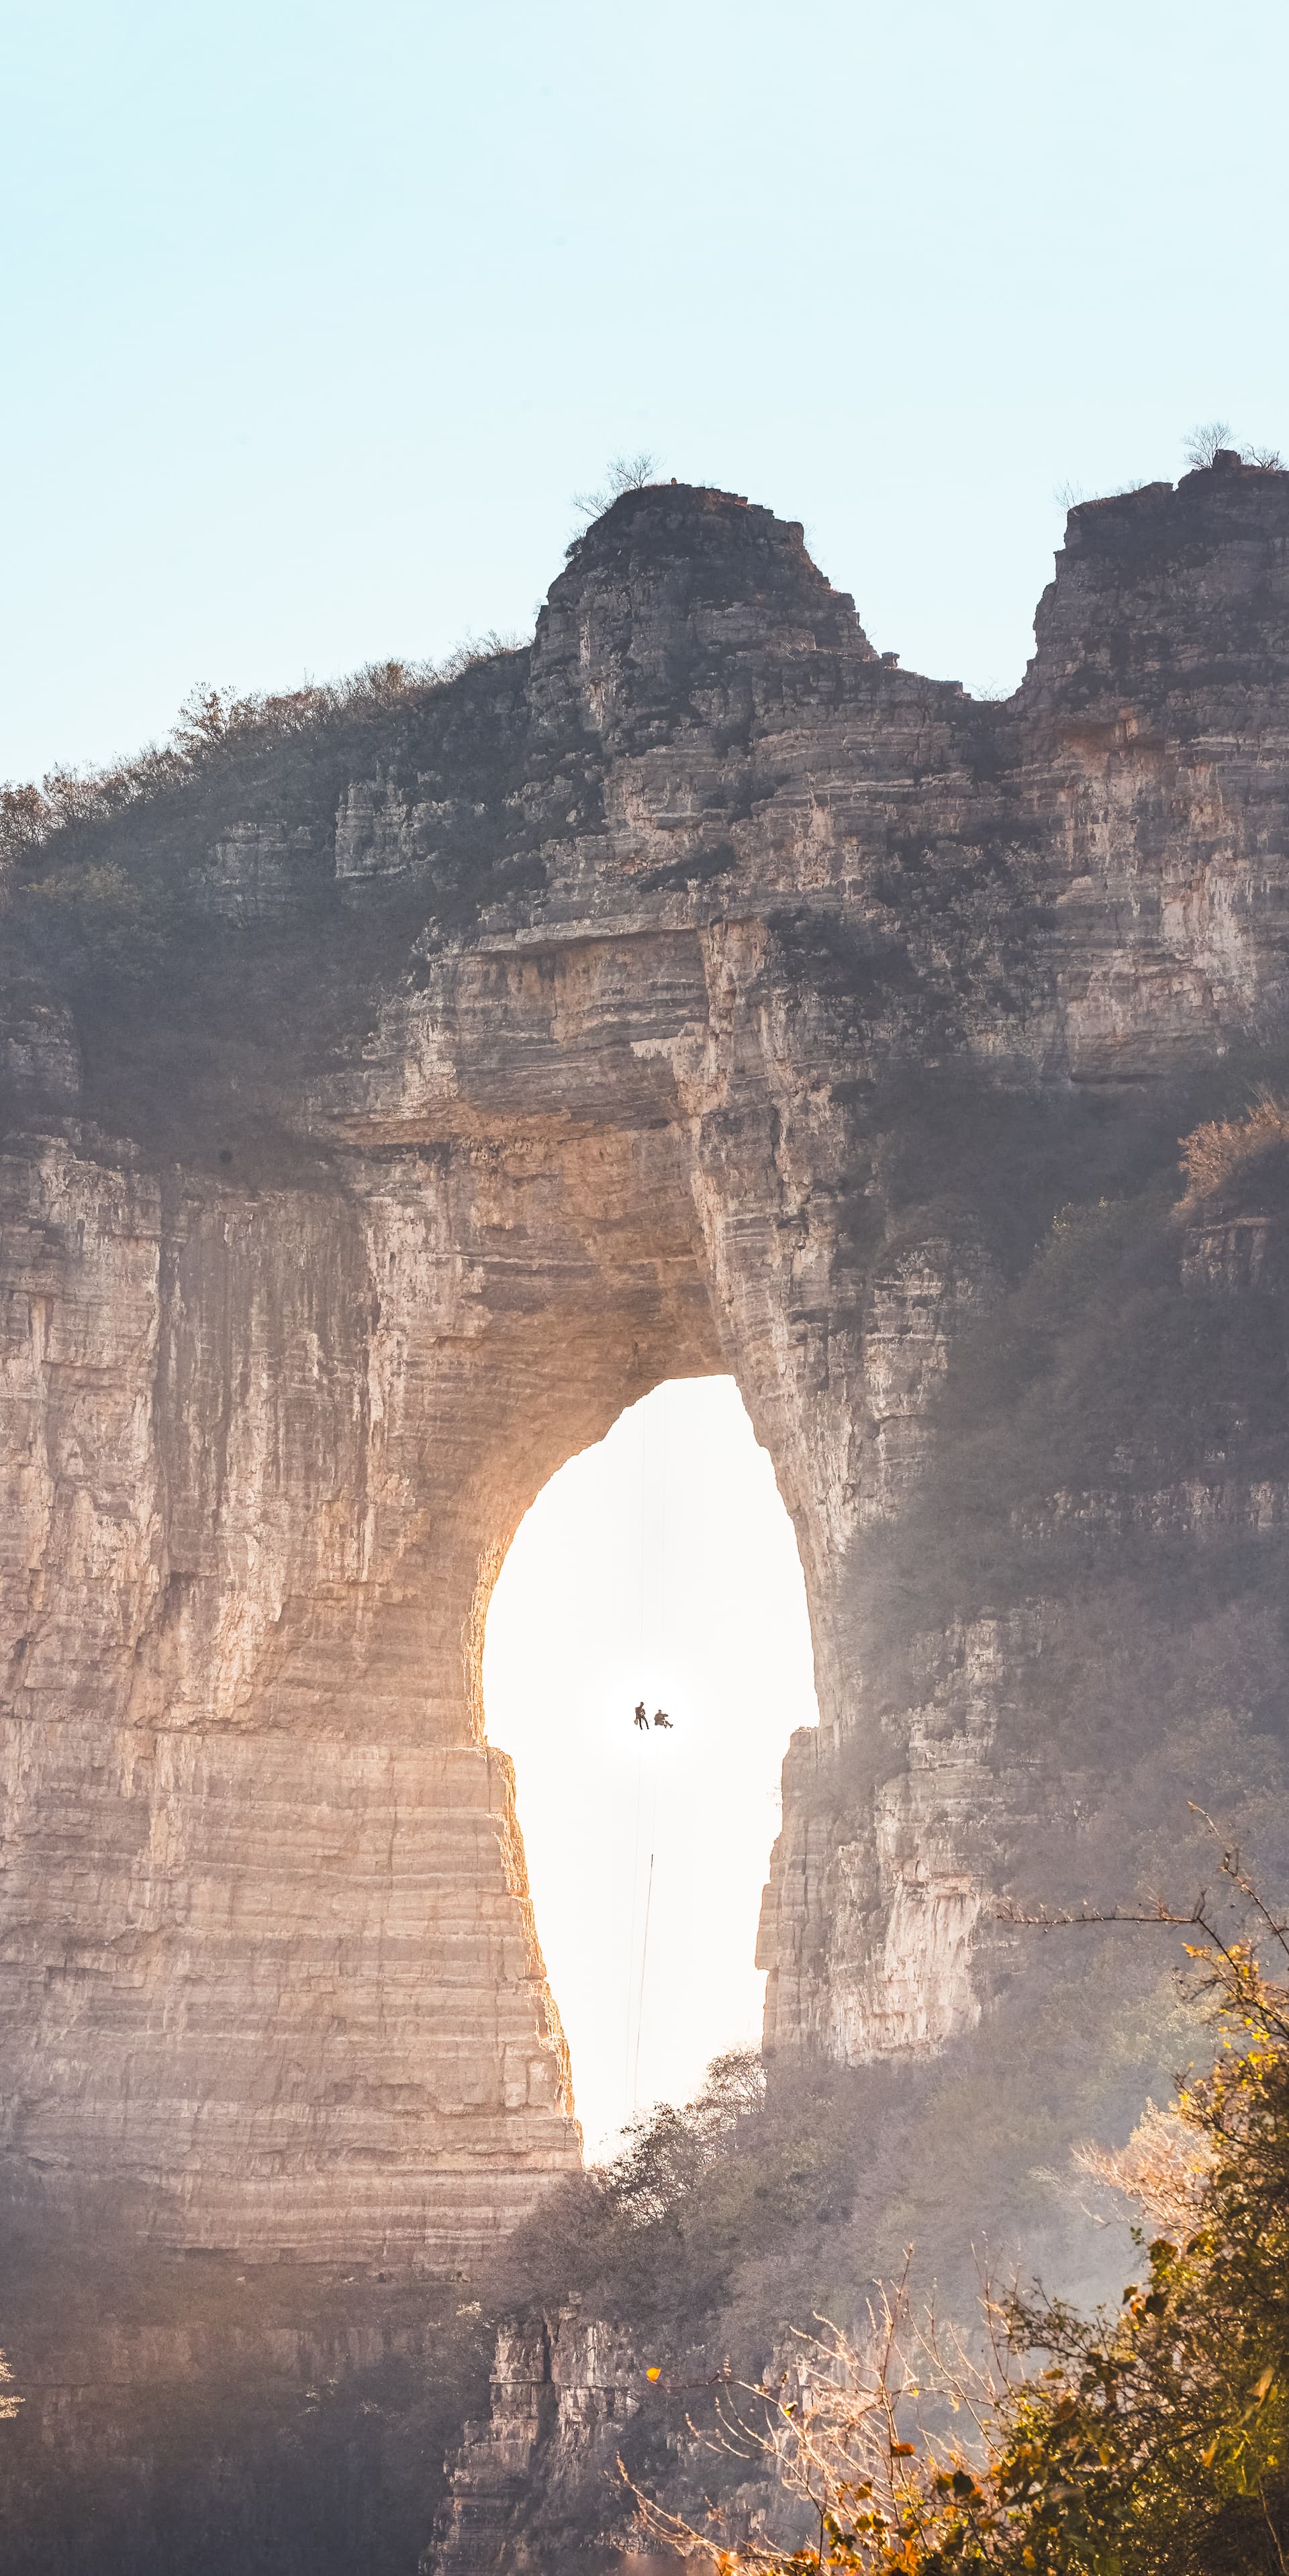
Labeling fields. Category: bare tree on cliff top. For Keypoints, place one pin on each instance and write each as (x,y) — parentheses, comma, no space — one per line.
(623,474)
(1213,438)
(1205,442)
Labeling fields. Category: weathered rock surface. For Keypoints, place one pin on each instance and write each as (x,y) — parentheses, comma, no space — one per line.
(697,992)
(563,2391)
(192,2412)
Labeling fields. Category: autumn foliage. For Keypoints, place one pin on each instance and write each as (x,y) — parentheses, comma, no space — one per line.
(1149,2442)
(1211,1153)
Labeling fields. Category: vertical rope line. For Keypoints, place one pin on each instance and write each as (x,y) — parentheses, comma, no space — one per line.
(644,1961)
(628,2097)
(631,1943)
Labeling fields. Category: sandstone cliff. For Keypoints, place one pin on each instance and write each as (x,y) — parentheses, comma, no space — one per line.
(397,1089)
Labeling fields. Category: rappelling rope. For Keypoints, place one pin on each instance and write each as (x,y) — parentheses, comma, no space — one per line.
(644,1960)
(627,2094)
(628,2078)
(653,1809)
(638,1997)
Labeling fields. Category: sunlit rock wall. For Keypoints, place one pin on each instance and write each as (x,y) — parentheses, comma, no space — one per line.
(667,1000)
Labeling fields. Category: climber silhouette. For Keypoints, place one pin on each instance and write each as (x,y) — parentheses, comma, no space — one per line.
(660,1718)
(640,1718)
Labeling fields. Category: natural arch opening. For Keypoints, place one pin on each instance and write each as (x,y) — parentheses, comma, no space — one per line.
(659,1564)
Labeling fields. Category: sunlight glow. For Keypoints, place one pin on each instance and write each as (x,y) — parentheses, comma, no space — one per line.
(660,1564)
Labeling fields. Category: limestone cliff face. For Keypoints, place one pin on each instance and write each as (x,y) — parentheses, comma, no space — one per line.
(681,996)
(562,2393)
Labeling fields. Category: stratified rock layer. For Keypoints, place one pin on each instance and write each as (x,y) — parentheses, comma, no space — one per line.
(667,1000)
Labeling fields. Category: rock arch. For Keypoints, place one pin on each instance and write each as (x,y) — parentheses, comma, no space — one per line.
(687,994)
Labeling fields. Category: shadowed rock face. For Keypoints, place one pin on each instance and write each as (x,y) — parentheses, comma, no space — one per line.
(697,992)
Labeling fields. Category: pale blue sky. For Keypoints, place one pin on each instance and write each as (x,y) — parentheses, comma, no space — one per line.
(316,316)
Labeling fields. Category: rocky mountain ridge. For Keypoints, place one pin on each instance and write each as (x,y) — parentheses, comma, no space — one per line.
(399,1088)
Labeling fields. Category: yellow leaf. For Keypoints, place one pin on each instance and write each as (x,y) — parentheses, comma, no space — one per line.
(653,2374)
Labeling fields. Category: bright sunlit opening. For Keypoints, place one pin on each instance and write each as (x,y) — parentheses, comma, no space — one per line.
(660,1566)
